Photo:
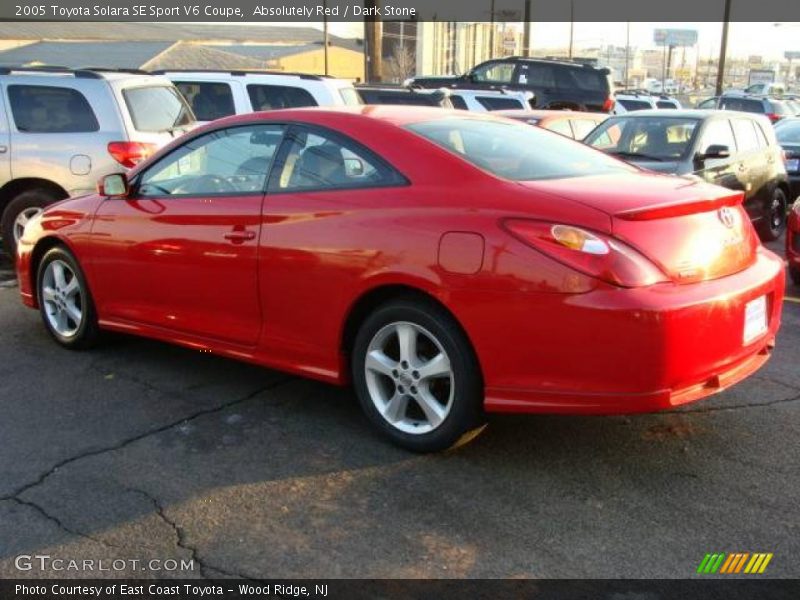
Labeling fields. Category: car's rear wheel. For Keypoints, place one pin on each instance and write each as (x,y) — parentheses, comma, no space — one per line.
(19,211)
(64,300)
(771,226)
(416,376)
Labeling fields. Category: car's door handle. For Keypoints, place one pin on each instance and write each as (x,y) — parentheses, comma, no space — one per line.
(240,236)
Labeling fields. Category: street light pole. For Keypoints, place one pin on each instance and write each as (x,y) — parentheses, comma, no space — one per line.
(571,24)
(526,32)
(723,49)
(325,33)
(627,50)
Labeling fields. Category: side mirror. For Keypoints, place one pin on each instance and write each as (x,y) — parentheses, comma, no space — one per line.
(715,151)
(114,186)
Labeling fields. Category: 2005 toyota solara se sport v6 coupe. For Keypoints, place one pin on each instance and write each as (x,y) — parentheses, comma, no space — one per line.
(447,265)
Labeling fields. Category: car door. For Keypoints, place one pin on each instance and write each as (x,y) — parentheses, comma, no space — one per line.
(752,167)
(5,143)
(181,251)
(721,171)
(315,238)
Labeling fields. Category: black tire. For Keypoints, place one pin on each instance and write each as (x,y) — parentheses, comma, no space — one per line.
(87,331)
(36,198)
(794,273)
(465,412)
(771,225)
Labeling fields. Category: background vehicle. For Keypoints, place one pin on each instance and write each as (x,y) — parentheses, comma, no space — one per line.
(373,94)
(216,94)
(556,84)
(735,150)
(573,124)
(708,103)
(773,108)
(793,243)
(329,249)
(788,134)
(763,88)
(632,102)
(490,100)
(61,130)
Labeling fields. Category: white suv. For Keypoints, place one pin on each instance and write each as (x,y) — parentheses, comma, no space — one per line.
(62,130)
(216,94)
(490,100)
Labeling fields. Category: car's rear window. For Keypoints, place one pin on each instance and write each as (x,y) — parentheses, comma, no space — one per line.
(270,97)
(788,132)
(50,109)
(591,80)
(516,151)
(780,108)
(665,104)
(459,102)
(635,104)
(157,108)
(742,104)
(493,103)
(209,100)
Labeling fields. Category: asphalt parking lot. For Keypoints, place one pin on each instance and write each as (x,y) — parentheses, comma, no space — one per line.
(140,450)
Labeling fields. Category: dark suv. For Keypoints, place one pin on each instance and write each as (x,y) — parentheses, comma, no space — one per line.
(732,149)
(775,109)
(556,84)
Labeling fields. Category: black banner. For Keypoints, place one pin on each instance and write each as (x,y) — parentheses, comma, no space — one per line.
(390,589)
(424,10)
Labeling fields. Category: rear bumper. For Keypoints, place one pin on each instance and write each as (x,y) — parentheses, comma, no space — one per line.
(613,350)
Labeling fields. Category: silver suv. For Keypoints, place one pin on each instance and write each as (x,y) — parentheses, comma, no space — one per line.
(61,130)
(216,94)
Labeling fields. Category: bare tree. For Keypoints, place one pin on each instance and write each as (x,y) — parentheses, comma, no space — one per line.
(402,63)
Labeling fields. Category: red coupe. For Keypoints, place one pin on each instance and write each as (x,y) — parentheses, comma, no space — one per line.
(447,264)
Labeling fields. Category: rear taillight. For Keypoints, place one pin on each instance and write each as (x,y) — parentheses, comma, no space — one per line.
(130,154)
(773,117)
(589,252)
(608,105)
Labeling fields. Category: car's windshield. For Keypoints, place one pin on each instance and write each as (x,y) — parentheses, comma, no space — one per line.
(515,150)
(788,132)
(648,138)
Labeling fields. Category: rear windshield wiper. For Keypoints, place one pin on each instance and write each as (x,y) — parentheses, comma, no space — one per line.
(637,155)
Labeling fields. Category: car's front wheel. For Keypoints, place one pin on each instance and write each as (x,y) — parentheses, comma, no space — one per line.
(771,226)
(416,376)
(64,300)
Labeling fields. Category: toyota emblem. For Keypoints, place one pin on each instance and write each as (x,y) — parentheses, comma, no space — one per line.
(727,217)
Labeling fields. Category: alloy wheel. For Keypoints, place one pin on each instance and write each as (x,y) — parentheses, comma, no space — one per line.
(62,298)
(409,377)
(22,219)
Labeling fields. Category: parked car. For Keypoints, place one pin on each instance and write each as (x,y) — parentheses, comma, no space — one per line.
(763,89)
(773,108)
(216,94)
(556,84)
(708,103)
(634,102)
(548,278)
(61,130)
(386,94)
(788,134)
(573,124)
(735,150)
(490,100)
(793,243)
(668,103)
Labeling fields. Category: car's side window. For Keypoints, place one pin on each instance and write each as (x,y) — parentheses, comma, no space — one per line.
(50,109)
(230,161)
(537,75)
(560,126)
(270,97)
(717,132)
(746,138)
(209,100)
(582,127)
(316,160)
(499,72)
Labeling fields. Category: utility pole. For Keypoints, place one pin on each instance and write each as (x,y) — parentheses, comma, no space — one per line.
(627,51)
(571,24)
(526,32)
(373,40)
(491,30)
(325,33)
(723,49)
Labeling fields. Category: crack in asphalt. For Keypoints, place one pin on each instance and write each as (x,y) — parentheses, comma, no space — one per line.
(130,440)
(710,409)
(54,519)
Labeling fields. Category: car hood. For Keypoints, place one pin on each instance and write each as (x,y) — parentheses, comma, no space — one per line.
(672,167)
